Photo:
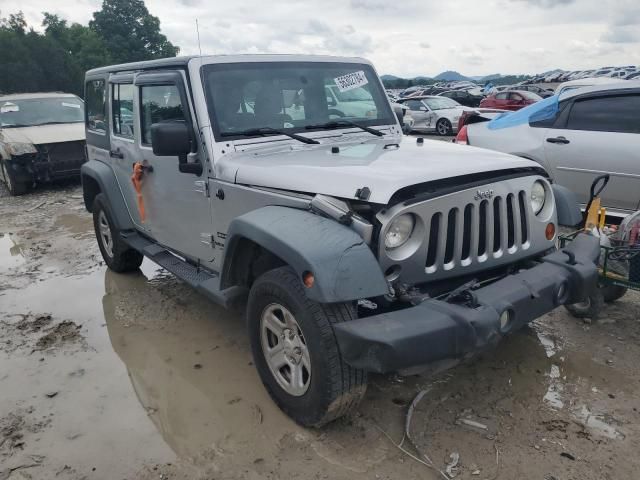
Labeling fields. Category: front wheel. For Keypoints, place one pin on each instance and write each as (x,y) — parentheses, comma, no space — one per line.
(443,127)
(296,353)
(14,186)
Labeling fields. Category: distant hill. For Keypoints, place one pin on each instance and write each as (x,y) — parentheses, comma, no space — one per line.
(386,78)
(450,75)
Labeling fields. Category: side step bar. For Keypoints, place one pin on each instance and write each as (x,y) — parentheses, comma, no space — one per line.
(205,281)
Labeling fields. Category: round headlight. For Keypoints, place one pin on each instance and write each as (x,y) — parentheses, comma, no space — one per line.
(399,231)
(538,195)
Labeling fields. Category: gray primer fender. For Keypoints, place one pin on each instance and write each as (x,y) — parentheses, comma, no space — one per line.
(106,179)
(567,206)
(343,265)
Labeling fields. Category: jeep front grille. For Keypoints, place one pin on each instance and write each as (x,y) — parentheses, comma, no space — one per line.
(462,233)
(477,231)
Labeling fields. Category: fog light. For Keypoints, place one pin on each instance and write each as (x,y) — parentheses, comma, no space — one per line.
(550,231)
(308,279)
(505,320)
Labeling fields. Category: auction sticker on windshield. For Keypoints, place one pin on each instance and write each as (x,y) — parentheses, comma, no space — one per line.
(351,81)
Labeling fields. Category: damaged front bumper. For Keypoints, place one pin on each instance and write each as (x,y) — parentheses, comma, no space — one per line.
(437,330)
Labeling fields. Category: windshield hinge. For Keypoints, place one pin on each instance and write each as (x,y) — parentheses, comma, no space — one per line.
(202,186)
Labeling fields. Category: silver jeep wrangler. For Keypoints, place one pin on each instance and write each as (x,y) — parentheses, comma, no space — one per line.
(285,182)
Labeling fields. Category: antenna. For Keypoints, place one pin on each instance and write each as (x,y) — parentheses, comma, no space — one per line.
(198,31)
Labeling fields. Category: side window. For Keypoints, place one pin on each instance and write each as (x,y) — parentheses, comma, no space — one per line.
(414,105)
(95,106)
(122,109)
(159,103)
(619,113)
(515,97)
(502,96)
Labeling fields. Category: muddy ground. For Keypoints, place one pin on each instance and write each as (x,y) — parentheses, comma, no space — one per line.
(108,376)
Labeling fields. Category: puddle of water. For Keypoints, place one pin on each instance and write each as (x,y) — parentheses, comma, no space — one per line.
(75,224)
(11,253)
(95,415)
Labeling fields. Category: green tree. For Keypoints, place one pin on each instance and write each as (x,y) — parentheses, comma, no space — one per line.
(130,33)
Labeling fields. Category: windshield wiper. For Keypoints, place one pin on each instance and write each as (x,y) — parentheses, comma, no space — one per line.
(345,123)
(270,131)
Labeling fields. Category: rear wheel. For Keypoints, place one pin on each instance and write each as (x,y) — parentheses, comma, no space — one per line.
(296,353)
(14,186)
(443,127)
(118,256)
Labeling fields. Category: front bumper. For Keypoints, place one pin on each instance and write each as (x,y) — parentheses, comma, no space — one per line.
(436,330)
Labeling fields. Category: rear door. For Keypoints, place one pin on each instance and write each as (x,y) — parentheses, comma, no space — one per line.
(600,134)
(123,152)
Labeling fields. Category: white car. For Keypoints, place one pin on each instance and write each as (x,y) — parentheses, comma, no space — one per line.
(41,138)
(435,114)
(588,132)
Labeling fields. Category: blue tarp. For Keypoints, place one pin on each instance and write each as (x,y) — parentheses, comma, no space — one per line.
(542,110)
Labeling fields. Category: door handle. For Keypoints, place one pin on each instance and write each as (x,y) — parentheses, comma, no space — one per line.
(116,153)
(560,140)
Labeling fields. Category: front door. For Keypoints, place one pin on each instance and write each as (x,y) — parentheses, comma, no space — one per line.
(177,208)
(601,135)
(177,211)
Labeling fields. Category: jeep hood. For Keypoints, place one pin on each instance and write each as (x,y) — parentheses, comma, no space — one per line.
(37,135)
(381,167)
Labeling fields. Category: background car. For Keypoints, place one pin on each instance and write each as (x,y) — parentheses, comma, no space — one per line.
(434,114)
(595,130)
(510,100)
(585,82)
(543,92)
(41,138)
(463,97)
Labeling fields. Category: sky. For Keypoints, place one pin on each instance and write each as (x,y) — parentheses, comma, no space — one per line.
(405,38)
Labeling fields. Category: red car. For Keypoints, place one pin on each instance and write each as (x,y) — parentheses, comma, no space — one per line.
(510,100)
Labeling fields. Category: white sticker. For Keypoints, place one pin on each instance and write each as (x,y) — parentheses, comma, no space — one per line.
(72,105)
(351,81)
(9,107)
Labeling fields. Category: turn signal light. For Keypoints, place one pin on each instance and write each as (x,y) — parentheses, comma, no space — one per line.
(308,279)
(550,231)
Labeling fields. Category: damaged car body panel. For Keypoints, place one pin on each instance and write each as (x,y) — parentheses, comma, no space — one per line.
(355,249)
(41,138)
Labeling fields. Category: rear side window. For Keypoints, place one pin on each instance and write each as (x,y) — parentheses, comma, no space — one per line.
(620,113)
(159,103)
(95,106)
(502,96)
(122,108)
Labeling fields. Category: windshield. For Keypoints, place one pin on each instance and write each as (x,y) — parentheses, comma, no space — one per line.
(40,111)
(292,96)
(441,103)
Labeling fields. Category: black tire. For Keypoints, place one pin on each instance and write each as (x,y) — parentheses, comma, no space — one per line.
(334,387)
(443,127)
(611,293)
(119,257)
(14,186)
(590,308)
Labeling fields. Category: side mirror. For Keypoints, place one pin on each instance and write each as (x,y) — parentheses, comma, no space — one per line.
(170,139)
(174,140)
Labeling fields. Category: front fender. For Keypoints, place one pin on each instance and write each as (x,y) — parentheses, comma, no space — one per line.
(97,177)
(567,206)
(343,265)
